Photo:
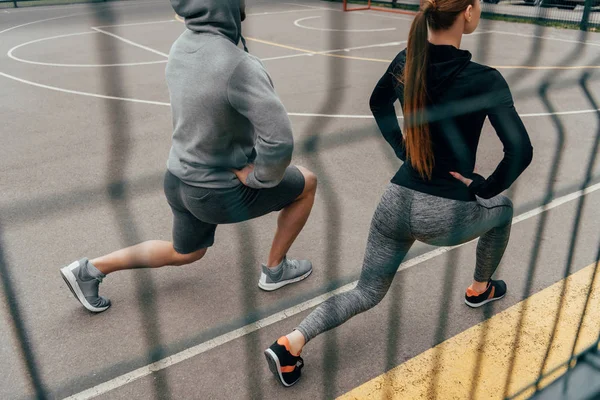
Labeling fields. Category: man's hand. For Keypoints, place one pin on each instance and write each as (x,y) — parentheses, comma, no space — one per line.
(242,174)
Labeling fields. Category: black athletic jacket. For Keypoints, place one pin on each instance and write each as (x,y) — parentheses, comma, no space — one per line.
(461,94)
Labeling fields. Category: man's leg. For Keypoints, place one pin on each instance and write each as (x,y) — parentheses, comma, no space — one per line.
(149,254)
(83,277)
(292,219)
(191,239)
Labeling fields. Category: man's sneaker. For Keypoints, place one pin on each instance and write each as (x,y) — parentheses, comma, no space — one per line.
(289,271)
(283,364)
(495,291)
(84,286)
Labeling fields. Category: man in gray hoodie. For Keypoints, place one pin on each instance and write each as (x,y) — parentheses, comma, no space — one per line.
(229,161)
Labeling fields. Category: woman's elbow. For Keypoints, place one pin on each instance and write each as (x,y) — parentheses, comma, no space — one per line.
(374,103)
(527,156)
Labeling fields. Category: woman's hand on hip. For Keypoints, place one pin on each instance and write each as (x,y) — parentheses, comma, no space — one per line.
(461,178)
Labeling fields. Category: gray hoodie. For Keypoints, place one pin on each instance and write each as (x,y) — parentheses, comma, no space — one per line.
(226,113)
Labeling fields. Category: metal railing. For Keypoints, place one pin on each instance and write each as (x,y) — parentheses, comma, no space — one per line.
(314,148)
(567,13)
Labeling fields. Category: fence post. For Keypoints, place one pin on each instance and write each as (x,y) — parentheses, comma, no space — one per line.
(586,15)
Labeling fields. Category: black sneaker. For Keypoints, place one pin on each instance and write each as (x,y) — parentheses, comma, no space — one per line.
(495,291)
(283,364)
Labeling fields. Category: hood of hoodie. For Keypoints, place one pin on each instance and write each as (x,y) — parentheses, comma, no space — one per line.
(445,63)
(220,17)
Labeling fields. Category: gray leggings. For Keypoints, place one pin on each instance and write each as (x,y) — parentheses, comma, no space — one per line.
(403,216)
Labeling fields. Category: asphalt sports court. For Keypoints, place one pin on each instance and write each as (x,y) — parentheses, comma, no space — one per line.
(86,130)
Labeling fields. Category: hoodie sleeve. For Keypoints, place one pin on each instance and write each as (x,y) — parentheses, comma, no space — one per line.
(518,151)
(382,106)
(250,91)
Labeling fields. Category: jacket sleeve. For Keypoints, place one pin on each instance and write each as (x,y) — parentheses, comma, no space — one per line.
(250,91)
(518,151)
(382,106)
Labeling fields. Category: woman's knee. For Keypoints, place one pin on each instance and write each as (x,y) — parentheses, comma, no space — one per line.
(506,201)
(185,259)
(507,209)
(372,299)
(369,297)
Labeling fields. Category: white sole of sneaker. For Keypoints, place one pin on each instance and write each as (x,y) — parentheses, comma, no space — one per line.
(269,287)
(275,367)
(477,305)
(71,281)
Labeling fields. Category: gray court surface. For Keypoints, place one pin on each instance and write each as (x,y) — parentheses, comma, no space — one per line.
(85,135)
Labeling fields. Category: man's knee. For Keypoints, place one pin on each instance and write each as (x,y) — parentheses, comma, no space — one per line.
(310,180)
(185,259)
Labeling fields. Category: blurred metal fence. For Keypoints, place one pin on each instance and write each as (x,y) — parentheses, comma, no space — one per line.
(558,12)
(28,3)
(587,364)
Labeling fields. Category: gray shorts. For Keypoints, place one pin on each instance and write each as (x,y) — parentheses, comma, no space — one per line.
(197,211)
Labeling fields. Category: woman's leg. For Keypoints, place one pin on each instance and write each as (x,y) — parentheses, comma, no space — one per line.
(445,222)
(492,244)
(389,241)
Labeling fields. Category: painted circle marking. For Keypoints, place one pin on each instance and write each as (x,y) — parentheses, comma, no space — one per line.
(299,25)
(14,57)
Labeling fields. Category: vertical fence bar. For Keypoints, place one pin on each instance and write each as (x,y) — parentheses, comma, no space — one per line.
(337,75)
(18,325)
(117,189)
(587,8)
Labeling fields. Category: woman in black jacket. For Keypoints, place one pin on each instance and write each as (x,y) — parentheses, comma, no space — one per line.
(435,197)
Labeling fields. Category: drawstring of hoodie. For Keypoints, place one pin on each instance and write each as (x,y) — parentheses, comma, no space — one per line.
(244,43)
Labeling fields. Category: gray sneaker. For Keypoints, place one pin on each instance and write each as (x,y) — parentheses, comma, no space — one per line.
(84,286)
(289,271)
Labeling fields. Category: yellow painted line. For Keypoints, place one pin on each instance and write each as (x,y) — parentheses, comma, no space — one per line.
(321,53)
(455,359)
(284,46)
(356,58)
(327,54)
(549,67)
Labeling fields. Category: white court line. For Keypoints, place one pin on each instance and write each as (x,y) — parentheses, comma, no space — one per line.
(282,315)
(161,103)
(299,25)
(374,14)
(138,23)
(357,116)
(41,20)
(288,56)
(381,15)
(11,55)
(100,96)
(388,44)
(544,37)
(132,43)
(287,12)
(247,15)
(72,6)
(78,14)
(312,7)
(342,116)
